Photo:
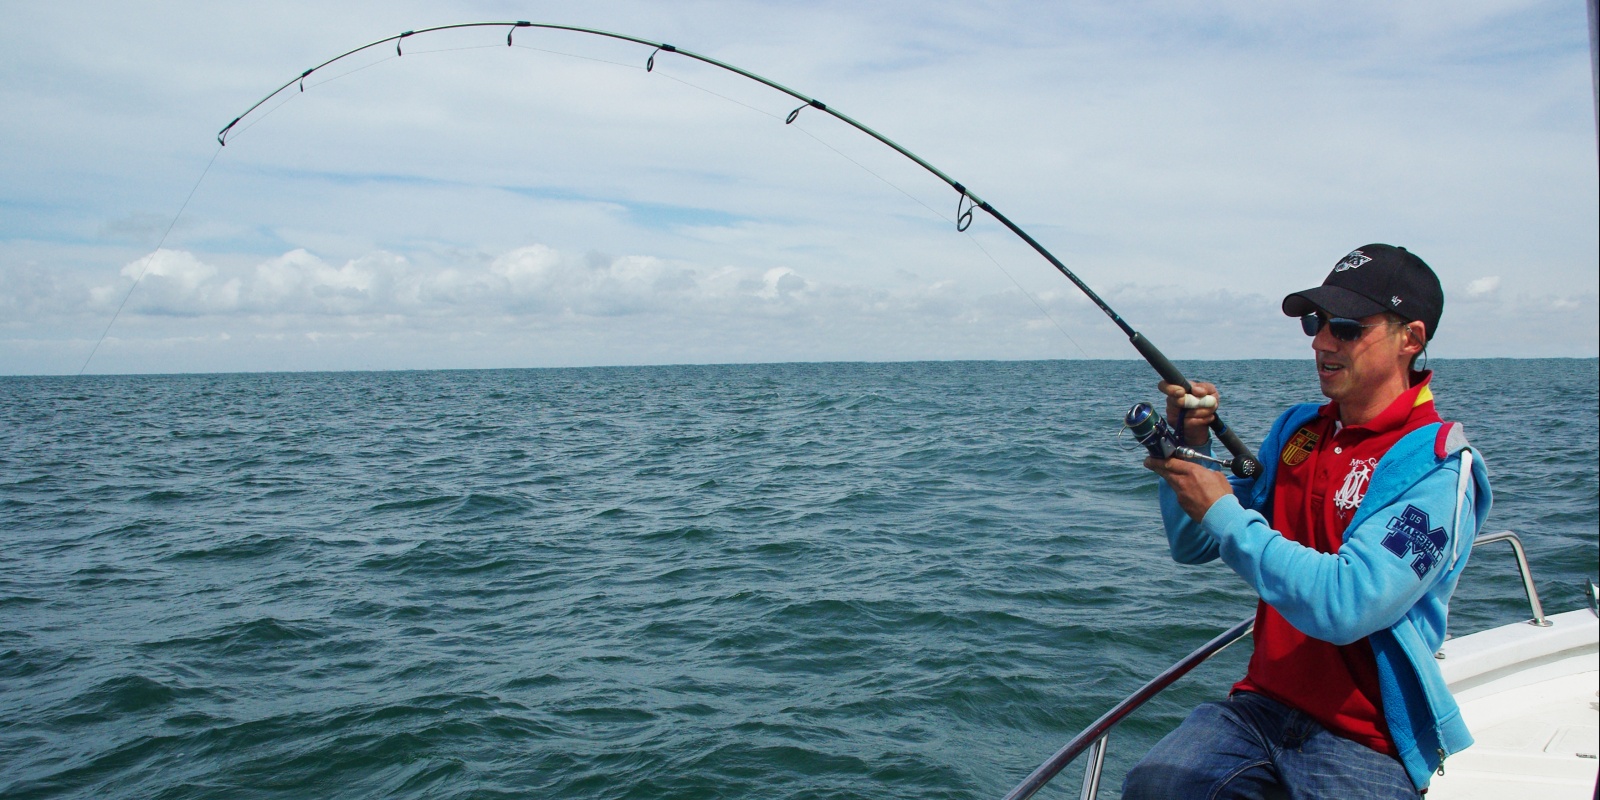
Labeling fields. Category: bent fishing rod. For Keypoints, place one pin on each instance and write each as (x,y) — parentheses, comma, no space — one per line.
(1244,463)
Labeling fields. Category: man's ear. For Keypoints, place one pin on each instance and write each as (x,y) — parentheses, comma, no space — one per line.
(1416,337)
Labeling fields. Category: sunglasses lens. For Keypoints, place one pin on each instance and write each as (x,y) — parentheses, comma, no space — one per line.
(1345,330)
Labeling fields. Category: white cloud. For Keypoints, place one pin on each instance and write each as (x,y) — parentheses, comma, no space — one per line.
(530,281)
(1483,286)
(781,283)
(471,192)
(173,282)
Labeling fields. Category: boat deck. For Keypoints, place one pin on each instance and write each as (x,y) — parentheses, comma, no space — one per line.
(1531,697)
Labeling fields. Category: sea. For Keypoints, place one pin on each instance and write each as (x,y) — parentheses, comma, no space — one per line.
(846,580)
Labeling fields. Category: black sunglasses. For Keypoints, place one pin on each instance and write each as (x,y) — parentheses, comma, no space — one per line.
(1342,328)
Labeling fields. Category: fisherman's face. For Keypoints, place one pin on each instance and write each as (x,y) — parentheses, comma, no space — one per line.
(1352,371)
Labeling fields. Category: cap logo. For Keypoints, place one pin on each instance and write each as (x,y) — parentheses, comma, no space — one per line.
(1355,259)
(1394,300)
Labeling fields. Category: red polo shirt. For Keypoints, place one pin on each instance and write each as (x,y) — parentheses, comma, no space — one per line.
(1323,474)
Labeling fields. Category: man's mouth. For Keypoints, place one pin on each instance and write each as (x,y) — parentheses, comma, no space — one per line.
(1326,367)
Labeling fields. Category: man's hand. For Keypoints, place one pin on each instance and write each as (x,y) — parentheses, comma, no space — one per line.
(1195,420)
(1197,487)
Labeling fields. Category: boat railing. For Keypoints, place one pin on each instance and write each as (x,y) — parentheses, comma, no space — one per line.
(1094,739)
(1522,567)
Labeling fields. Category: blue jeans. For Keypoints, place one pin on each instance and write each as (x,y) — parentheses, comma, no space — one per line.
(1250,747)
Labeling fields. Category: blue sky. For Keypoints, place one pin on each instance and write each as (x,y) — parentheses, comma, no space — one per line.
(473,205)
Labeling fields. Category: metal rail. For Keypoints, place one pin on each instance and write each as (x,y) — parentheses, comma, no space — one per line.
(1095,738)
(1096,733)
(1522,567)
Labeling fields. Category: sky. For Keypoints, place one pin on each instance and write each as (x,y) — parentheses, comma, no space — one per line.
(473,205)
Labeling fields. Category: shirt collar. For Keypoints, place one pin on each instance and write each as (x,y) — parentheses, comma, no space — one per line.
(1397,413)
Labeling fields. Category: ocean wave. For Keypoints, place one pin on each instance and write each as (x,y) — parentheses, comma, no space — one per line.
(775,581)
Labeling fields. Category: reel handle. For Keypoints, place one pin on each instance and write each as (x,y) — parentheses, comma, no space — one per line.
(1245,464)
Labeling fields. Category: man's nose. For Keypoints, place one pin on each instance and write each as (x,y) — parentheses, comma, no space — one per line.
(1324,341)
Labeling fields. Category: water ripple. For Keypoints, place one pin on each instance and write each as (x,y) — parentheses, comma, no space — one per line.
(773,581)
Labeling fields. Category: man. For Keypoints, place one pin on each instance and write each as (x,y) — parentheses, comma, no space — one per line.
(1354,536)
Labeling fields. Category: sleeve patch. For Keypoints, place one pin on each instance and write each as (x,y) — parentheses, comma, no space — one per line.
(1409,534)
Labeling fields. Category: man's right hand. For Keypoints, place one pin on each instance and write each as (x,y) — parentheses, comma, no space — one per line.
(1198,488)
(1196,421)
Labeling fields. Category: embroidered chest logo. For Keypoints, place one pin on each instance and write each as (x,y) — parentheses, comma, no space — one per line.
(1299,447)
(1355,485)
(1409,534)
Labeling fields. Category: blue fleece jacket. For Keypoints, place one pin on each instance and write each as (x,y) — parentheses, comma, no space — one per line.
(1390,581)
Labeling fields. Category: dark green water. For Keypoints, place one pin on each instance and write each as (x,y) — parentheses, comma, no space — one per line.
(778,581)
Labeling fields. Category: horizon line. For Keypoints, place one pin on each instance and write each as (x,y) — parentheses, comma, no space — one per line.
(725,364)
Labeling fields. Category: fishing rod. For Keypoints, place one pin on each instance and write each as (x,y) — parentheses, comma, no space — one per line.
(1244,463)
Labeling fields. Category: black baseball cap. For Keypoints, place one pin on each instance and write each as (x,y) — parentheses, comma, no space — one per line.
(1371,280)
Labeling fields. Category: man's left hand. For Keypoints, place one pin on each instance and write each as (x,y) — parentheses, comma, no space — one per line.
(1197,487)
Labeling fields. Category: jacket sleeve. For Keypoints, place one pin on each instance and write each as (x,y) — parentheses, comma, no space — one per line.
(1393,557)
(1188,540)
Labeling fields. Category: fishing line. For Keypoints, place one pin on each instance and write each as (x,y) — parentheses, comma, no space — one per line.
(145,266)
(285,101)
(1025,293)
(598,60)
(891,184)
(1244,462)
(964,232)
(348,73)
(455,49)
(322,82)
